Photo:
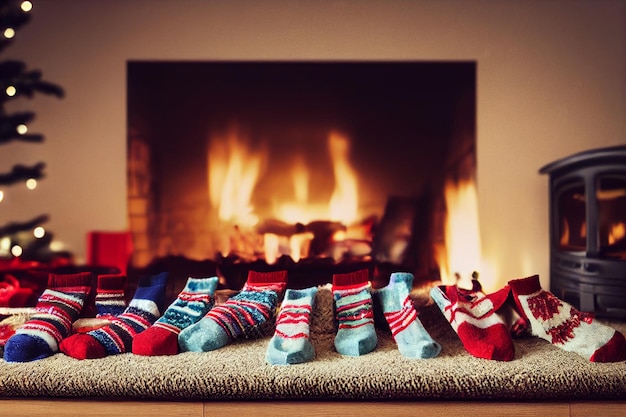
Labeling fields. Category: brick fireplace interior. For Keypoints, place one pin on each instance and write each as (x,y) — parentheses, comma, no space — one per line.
(346,159)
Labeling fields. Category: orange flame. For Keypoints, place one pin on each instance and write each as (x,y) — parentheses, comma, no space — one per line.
(235,170)
(462,254)
(617,232)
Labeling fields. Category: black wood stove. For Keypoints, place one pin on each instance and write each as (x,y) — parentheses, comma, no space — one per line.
(588,230)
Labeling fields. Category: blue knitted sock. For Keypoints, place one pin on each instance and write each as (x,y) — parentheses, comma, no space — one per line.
(240,316)
(410,335)
(354,312)
(290,343)
(193,302)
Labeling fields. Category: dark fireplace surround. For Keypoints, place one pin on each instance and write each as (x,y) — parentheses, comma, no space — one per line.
(411,127)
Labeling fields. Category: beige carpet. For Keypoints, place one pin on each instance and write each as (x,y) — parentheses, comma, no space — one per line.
(238,371)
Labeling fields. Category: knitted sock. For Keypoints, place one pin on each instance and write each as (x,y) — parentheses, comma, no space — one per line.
(110,301)
(59,305)
(564,326)
(117,337)
(290,343)
(193,302)
(410,335)
(473,317)
(354,312)
(240,316)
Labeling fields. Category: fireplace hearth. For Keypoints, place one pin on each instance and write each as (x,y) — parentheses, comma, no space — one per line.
(588,230)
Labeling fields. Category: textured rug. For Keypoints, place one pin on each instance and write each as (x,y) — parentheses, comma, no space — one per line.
(238,371)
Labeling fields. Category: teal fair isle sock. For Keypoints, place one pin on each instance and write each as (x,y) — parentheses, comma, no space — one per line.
(193,302)
(59,306)
(240,316)
(356,334)
(117,337)
(290,343)
(410,335)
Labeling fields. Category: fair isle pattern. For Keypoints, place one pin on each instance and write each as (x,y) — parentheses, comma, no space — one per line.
(564,326)
(188,308)
(244,311)
(293,319)
(402,319)
(353,307)
(56,310)
(117,337)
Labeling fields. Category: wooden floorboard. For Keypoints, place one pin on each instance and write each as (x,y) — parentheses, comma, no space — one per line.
(89,408)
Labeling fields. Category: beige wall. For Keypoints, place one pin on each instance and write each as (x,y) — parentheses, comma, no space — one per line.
(551,82)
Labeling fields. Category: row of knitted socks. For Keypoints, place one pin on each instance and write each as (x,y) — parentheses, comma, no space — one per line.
(140,328)
(477,320)
(243,315)
(356,334)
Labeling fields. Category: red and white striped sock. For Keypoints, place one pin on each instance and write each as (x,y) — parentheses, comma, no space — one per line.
(563,325)
(473,317)
(411,337)
(57,308)
(290,343)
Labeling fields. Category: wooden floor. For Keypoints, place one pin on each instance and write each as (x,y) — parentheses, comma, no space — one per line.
(51,408)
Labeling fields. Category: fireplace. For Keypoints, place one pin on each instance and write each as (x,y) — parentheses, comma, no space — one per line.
(588,230)
(313,166)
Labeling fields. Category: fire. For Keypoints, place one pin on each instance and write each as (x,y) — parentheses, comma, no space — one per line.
(617,232)
(235,170)
(344,201)
(462,254)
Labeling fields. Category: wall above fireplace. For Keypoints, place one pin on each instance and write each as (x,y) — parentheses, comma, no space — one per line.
(550,82)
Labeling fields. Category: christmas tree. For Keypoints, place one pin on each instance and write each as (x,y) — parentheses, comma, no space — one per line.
(25,240)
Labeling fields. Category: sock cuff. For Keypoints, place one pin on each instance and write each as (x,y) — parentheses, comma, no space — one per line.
(201,285)
(351,280)
(154,280)
(112,282)
(525,286)
(272,277)
(402,278)
(80,279)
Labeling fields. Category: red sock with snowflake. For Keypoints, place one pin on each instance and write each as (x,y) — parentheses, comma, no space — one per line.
(472,315)
(564,326)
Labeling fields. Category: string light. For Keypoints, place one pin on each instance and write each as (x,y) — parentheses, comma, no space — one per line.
(21,129)
(5,245)
(31,183)
(26,6)
(39,232)
(16,250)
(11,91)
(9,33)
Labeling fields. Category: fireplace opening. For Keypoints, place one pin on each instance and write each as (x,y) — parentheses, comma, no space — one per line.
(314,166)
